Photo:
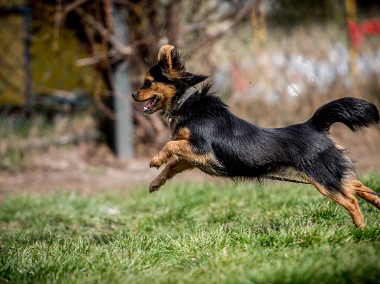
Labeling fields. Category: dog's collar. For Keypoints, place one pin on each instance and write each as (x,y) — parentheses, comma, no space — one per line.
(189,92)
(178,104)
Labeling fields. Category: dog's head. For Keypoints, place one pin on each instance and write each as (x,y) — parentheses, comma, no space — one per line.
(166,82)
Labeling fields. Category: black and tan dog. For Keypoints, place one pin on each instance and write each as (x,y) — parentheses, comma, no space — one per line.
(206,135)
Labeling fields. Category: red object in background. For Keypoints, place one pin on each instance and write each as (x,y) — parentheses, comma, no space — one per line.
(357,31)
(240,83)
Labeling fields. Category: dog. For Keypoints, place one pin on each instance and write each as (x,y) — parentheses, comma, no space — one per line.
(207,136)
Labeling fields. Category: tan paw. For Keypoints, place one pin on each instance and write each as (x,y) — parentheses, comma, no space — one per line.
(155,162)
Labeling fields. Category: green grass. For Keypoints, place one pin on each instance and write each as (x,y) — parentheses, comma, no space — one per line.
(188,233)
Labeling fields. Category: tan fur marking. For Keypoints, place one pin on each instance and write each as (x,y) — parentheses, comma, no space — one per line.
(183,134)
(166,50)
(172,168)
(165,55)
(166,94)
(358,188)
(168,91)
(347,200)
(149,77)
(180,150)
(144,94)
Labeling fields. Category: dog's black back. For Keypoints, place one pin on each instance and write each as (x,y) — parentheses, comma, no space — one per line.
(243,150)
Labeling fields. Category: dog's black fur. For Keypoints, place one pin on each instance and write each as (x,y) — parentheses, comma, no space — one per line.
(208,136)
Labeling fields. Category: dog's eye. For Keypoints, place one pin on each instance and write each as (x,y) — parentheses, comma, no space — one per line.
(148,83)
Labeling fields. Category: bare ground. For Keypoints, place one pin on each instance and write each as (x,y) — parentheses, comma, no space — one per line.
(72,170)
(91,170)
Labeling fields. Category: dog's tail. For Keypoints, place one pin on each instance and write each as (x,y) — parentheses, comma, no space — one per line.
(352,112)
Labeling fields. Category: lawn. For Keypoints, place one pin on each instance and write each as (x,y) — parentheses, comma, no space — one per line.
(188,233)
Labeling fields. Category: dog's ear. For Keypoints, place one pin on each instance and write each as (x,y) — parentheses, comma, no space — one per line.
(194,79)
(170,61)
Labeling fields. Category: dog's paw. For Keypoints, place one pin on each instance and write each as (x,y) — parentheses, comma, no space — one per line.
(154,187)
(155,162)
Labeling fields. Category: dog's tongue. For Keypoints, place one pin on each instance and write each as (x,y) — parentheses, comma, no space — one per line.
(149,104)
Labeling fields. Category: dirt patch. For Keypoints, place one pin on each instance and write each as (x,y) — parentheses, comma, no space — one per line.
(73,169)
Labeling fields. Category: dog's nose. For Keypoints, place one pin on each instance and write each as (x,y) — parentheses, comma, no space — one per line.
(134,95)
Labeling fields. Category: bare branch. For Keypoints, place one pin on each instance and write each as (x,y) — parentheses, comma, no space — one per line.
(71,7)
(108,15)
(217,23)
(217,31)
(96,59)
(124,50)
(107,111)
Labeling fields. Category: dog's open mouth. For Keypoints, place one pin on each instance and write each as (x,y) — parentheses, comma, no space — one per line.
(151,103)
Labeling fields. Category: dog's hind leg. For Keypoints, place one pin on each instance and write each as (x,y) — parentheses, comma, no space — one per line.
(346,199)
(172,168)
(364,192)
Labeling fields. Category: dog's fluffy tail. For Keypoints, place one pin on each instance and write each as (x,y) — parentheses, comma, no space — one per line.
(352,112)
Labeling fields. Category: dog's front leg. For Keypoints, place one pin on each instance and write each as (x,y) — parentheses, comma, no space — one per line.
(172,168)
(171,149)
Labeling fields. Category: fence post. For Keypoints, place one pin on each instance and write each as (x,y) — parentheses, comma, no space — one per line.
(122,91)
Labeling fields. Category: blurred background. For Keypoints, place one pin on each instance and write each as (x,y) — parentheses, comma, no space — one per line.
(67,69)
